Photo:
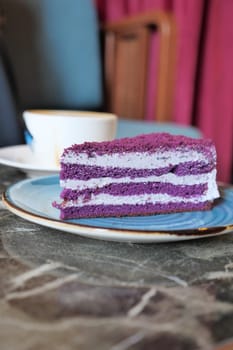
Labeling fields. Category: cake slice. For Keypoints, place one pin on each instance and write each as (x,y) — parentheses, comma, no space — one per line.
(143,175)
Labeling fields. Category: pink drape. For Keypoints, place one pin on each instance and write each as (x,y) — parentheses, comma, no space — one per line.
(215,99)
(204,74)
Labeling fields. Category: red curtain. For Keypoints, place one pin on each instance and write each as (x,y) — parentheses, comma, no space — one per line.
(204,70)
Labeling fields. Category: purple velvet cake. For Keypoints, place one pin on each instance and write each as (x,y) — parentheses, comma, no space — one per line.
(142,175)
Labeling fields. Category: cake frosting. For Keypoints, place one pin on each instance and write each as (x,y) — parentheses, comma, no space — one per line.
(143,175)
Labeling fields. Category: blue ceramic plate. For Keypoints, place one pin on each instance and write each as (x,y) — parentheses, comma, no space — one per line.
(31,199)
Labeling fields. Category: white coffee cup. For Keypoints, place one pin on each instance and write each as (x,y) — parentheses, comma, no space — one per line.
(54,130)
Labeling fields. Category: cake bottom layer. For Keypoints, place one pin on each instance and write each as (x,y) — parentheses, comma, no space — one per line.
(89,211)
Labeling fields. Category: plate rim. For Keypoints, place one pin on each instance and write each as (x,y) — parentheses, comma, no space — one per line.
(199,232)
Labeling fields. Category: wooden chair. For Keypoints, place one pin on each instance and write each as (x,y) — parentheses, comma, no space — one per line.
(127,48)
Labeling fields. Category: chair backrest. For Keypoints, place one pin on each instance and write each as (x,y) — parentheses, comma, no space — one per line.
(127,52)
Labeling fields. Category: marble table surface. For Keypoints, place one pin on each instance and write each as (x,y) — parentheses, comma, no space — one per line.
(60,291)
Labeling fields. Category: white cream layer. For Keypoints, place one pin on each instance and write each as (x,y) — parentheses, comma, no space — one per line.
(135,160)
(80,185)
(106,199)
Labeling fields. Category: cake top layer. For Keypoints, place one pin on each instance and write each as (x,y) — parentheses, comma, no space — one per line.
(145,143)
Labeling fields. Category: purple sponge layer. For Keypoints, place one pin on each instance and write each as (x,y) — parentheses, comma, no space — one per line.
(146,143)
(139,188)
(84,172)
(129,210)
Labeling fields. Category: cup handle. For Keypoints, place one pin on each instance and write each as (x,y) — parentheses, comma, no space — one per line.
(28,138)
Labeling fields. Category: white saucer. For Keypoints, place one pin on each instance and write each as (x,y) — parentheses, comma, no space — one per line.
(21,157)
